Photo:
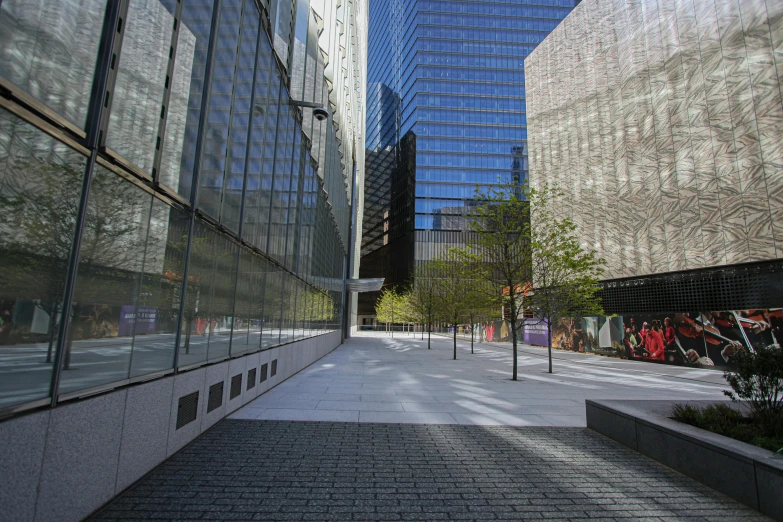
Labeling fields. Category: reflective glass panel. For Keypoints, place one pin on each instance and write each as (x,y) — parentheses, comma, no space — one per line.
(187,86)
(40,185)
(154,319)
(108,283)
(136,109)
(48,49)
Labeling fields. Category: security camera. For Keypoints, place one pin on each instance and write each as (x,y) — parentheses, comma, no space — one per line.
(320,114)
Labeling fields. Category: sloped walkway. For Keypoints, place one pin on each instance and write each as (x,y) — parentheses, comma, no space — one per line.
(277,470)
(383,429)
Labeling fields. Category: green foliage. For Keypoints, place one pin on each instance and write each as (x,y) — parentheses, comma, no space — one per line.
(387,308)
(724,420)
(757,379)
(564,273)
(422,298)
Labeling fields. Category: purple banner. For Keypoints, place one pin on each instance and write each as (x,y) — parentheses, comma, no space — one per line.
(534,332)
(137,319)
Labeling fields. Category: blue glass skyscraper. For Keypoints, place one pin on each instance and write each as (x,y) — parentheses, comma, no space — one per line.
(445,114)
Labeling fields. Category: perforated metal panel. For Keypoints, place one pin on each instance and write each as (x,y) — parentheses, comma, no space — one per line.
(215,398)
(738,287)
(251,378)
(187,410)
(236,386)
(264,371)
(274,368)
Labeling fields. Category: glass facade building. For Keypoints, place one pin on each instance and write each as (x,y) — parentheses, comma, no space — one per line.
(445,116)
(166,203)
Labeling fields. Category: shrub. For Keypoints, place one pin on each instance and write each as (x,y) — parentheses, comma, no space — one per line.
(757,379)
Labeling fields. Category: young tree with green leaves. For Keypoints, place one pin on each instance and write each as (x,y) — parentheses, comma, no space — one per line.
(387,305)
(500,238)
(564,273)
(483,297)
(423,298)
(453,289)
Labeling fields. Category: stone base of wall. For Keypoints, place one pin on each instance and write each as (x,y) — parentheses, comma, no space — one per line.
(64,463)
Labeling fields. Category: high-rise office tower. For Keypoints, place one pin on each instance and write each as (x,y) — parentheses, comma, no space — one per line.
(445,115)
(178,192)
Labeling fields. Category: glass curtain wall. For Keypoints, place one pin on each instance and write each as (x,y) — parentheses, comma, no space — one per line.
(174,220)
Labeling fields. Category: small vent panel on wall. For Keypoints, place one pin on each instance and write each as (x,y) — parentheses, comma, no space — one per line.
(264,370)
(251,378)
(187,411)
(215,398)
(236,386)
(274,368)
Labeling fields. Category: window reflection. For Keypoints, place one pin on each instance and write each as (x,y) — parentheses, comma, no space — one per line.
(40,185)
(48,48)
(108,283)
(141,79)
(187,86)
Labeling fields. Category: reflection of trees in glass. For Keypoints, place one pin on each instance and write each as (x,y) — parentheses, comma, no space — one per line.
(39,208)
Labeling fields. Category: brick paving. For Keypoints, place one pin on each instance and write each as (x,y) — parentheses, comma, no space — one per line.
(281,470)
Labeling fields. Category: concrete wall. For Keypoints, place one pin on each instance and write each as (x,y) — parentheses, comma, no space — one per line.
(662,122)
(62,464)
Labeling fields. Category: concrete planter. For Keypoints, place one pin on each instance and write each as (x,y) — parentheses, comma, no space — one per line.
(749,474)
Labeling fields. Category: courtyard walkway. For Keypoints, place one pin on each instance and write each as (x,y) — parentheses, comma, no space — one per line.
(404,433)
(376,378)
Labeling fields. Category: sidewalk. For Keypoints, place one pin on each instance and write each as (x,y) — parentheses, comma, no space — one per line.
(376,378)
(397,450)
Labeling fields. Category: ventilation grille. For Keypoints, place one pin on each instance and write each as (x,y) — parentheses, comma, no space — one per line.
(274,368)
(251,378)
(264,370)
(236,386)
(215,396)
(187,410)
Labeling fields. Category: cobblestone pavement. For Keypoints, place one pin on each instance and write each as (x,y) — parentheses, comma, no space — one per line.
(281,470)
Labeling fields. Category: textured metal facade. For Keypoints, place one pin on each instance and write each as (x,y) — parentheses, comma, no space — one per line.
(662,122)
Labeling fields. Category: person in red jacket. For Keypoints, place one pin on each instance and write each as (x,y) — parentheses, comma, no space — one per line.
(655,343)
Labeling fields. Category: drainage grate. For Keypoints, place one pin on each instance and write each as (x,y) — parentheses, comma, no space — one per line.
(215,396)
(187,410)
(264,368)
(236,386)
(274,368)
(251,378)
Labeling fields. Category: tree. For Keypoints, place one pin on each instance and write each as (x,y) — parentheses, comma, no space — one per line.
(482,296)
(423,299)
(564,273)
(501,240)
(452,290)
(386,305)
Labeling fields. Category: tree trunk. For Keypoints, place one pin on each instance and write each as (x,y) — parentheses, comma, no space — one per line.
(455,341)
(514,343)
(549,342)
(429,334)
(471,337)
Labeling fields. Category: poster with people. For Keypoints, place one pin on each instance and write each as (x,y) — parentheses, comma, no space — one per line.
(699,339)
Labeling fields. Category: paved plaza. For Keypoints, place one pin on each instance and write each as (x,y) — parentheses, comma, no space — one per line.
(394,431)
(376,378)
